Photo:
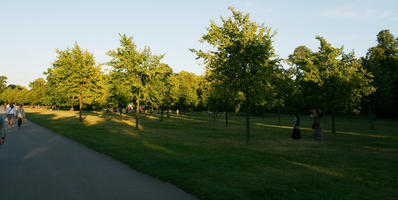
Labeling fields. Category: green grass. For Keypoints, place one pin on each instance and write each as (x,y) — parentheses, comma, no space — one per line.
(211,161)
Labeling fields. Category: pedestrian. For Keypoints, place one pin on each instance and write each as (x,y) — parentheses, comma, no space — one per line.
(316,125)
(10,112)
(296,135)
(2,130)
(20,115)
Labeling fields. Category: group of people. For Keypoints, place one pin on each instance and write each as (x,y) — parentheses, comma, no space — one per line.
(316,126)
(12,112)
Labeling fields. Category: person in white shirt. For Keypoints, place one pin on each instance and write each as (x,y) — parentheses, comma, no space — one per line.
(11,112)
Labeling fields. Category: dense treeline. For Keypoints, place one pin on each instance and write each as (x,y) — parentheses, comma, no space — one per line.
(243,73)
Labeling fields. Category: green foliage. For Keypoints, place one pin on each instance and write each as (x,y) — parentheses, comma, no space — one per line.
(3,83)
(242,59)
(38,90)
(15,94)
(133,70)
(186,90)
(382,62)
(74,78)
(333,80)
(133,73)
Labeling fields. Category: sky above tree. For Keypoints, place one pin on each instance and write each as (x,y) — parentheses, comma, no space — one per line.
(32,30)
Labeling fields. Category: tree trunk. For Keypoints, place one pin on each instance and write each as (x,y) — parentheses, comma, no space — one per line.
(279,117)
(120,112)
(137,111)
(80,103)
(226,118)
(372,127)
(161,113)
(214,114)
(168,112)
(247,119)
(333,122)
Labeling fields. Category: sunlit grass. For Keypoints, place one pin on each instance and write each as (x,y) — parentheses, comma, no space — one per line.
(212,161)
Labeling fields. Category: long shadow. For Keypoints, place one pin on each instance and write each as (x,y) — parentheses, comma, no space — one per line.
(326,131)
(170,152)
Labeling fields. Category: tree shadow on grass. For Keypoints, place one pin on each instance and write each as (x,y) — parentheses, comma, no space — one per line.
(189,153)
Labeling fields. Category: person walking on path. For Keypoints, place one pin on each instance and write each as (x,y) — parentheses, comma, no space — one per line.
(10,112)
(316,125)
(296,135)
(2,130)
(20,115)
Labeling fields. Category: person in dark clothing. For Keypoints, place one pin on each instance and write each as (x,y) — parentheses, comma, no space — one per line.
(296,135)
(2,130)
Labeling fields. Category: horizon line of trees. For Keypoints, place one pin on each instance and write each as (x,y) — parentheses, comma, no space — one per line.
(243,73)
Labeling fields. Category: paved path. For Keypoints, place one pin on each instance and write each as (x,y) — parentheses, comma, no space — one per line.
(35,163)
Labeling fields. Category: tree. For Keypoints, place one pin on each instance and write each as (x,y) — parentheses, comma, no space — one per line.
(281,90)
(38,91)
(186,90)
(160,91)
(382,62)
(15,94)
(3,83)
(333,80)
(74,77)
(132,71)
(242,56)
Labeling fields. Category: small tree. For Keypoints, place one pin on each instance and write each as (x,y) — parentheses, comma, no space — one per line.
(132,71)
(38,91)
(243,53)
(333,80)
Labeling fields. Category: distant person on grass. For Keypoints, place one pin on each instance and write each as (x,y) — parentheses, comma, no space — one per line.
(10,112)
(316,125)
(296,135)
(20,115)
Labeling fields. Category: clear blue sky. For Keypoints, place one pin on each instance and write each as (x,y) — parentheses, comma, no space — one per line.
(30,31)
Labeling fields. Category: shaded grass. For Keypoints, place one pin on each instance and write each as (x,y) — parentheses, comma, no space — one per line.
(213,162)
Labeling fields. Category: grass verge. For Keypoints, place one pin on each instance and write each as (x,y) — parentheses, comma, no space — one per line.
(212,161)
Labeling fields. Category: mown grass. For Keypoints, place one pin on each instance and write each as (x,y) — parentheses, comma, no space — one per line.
(212,161)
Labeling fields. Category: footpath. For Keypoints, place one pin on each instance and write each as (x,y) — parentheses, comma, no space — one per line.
(36,163)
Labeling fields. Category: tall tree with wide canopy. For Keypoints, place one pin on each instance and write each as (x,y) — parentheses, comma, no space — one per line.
(334,81)
(74,77)
(382,61)
(242,56)
(133,71)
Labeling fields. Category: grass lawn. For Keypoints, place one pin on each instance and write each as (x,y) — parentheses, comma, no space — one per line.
(207,159)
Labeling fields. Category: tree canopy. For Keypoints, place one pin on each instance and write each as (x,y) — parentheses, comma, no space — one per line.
(334,81)
(243,57)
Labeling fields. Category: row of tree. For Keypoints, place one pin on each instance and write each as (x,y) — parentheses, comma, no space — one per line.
(242,73)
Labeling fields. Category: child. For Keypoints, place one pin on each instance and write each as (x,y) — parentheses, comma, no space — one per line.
(20,115)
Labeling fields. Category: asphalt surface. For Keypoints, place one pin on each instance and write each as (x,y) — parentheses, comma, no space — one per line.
(36,163)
